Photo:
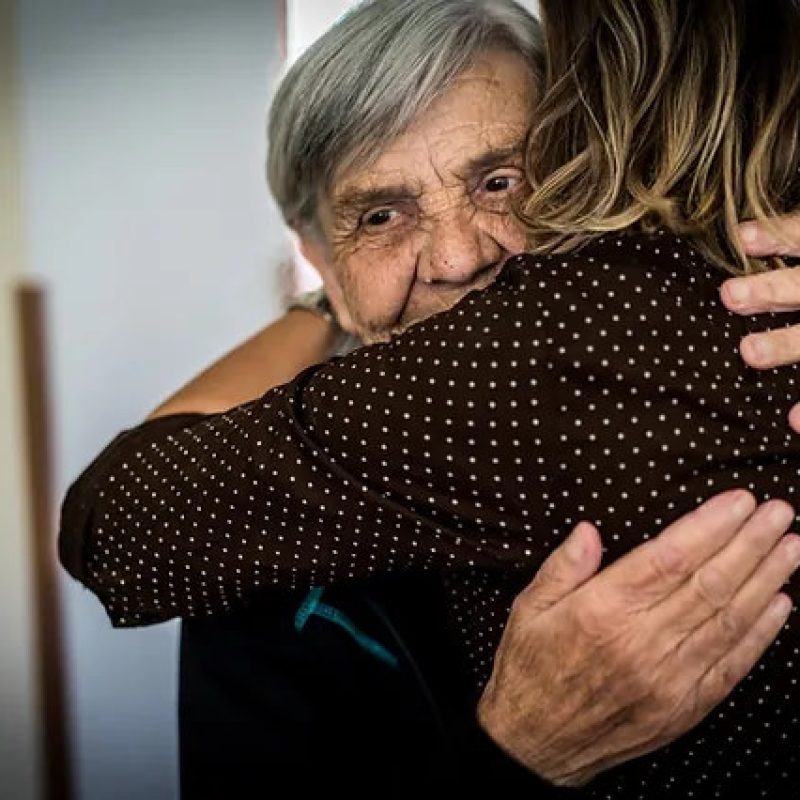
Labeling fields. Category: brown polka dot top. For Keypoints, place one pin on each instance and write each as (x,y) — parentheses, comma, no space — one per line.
(604,385)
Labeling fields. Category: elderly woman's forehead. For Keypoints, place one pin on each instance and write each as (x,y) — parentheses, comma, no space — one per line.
(407,172)
(484,117)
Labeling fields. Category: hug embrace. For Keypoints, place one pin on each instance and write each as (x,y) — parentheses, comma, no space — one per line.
(532,236)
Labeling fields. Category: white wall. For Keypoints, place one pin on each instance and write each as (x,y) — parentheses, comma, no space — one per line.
(147,218)
(309,19)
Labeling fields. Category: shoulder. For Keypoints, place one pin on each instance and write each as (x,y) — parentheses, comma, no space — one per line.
(659,258)
(620,275)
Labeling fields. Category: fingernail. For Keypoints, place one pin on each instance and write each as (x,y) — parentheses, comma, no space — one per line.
(748,232)
(575,547)
(756,349)
(738,292)
(743,505)
(793,549)
(755,237)
(781,606)
(781,515)
(794,418)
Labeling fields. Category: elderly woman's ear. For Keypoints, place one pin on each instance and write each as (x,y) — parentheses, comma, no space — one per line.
(316,253)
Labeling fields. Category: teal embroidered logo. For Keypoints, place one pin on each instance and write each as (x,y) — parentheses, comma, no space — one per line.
(313,606)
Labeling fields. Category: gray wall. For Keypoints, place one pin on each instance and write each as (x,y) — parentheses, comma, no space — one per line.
(147,217)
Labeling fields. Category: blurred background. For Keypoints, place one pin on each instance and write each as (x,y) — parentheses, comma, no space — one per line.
(137,244)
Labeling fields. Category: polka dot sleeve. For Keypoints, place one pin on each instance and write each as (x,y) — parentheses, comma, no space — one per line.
(389,458)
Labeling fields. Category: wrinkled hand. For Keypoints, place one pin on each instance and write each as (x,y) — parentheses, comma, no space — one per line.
(770,291)
(594,672)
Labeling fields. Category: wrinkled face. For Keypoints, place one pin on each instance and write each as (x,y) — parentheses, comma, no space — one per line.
(429,220)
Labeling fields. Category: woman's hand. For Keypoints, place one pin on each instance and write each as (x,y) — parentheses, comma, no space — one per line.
(594,670)
(770,291)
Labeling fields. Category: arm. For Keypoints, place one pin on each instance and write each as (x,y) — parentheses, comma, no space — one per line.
(324,479)
(272,357)
(143,527)
(402,455)
(553,642)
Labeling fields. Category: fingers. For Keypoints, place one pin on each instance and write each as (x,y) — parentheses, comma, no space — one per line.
(725,630)
(567,568)
(653,571)
(794,418)
(772,349)
(779,236)
(712,588)
(723,677)
(778,290)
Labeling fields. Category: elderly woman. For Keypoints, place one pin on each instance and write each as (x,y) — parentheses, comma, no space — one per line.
(600,365)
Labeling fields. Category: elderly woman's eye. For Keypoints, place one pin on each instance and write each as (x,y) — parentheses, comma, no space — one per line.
(495,190)
(379,218)
(499,182)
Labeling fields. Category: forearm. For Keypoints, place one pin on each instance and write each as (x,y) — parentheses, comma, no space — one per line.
(312,482)
(191,515)
(270,358)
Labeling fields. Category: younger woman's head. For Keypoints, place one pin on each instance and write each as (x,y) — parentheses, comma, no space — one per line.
(676,113)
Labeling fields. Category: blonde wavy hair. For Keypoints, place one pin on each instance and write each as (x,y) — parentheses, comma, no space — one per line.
(682,114)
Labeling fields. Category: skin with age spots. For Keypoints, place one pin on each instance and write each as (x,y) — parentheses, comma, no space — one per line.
(428,221)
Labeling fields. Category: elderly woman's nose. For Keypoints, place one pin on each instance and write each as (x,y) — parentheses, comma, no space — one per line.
(457,251)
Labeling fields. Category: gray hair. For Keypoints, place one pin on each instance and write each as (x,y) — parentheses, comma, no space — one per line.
(362,84)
